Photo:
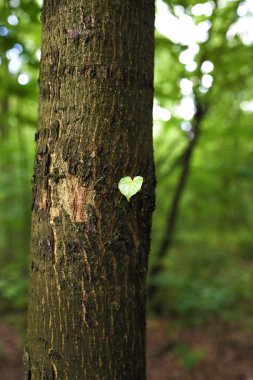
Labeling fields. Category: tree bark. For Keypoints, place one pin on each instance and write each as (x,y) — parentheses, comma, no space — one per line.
(86,317)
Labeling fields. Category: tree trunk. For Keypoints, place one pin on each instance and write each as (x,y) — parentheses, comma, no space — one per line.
(86,317)
(174,210)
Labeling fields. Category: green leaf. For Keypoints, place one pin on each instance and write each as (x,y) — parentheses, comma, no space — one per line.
(128,186)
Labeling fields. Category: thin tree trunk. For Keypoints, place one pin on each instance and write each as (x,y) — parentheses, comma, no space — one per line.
(5,183)
(202,106)
(173,213)
(86,316)
(25,195)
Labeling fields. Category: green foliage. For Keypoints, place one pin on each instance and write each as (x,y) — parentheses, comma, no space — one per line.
(13,286)
(206,284)
(189,358)
(129,187)
(208,271)
(19,48)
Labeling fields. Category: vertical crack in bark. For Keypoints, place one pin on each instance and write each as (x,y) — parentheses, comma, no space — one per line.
(54,372)
(84,303)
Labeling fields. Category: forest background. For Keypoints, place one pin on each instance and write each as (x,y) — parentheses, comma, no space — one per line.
(201,261)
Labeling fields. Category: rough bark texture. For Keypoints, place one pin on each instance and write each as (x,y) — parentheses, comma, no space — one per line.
(86,316)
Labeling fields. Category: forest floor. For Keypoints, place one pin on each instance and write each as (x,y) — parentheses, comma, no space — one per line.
(214,352)
(11,366)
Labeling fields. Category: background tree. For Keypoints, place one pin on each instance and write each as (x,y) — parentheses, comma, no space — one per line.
(197,260)
(89,245)
(19,62)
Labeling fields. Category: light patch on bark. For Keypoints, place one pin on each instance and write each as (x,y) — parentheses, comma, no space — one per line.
(43,200)
(55,371)
(84,302)
(70,195)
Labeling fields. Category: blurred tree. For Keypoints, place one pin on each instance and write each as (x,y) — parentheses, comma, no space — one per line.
(19,48)
(89,245)
(210,64)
